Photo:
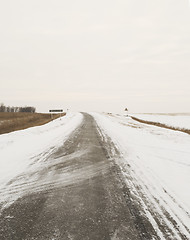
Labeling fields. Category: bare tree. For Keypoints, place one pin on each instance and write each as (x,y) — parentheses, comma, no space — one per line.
(4,108)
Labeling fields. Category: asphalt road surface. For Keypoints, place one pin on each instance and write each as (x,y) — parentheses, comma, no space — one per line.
(76,193)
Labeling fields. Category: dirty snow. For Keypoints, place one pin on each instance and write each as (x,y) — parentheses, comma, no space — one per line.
(18,149)
(158,160)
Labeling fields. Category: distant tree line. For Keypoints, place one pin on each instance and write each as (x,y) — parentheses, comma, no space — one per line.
(4,108)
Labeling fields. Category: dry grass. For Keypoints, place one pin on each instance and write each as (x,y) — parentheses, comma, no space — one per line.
(16,121)
(162,125)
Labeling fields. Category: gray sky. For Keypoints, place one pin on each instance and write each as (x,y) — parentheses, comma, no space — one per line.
(101,55)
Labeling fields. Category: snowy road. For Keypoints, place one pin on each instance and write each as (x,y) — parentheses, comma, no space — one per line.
(79,190)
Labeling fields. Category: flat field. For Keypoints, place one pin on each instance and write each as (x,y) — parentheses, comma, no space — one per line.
(177,122)
(17,121)
(180,120)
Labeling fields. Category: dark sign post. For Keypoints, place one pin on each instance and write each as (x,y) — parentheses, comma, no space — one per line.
(56,111)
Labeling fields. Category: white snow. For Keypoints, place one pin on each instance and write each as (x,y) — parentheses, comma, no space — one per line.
(178,121)
(18,149)
(158,160)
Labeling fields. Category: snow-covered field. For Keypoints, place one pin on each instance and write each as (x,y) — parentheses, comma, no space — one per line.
(177,121)
(19,149)
(158,160)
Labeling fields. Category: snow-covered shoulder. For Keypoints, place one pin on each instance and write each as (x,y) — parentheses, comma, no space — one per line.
(157,160)
(18,149)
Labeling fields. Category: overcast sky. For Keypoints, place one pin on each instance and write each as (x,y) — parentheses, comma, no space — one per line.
(101,55)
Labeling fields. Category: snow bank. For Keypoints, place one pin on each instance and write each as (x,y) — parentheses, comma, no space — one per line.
(177,121)
(18,149)
(159,160)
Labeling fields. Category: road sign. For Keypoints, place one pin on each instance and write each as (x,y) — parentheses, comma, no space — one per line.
(56,110)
